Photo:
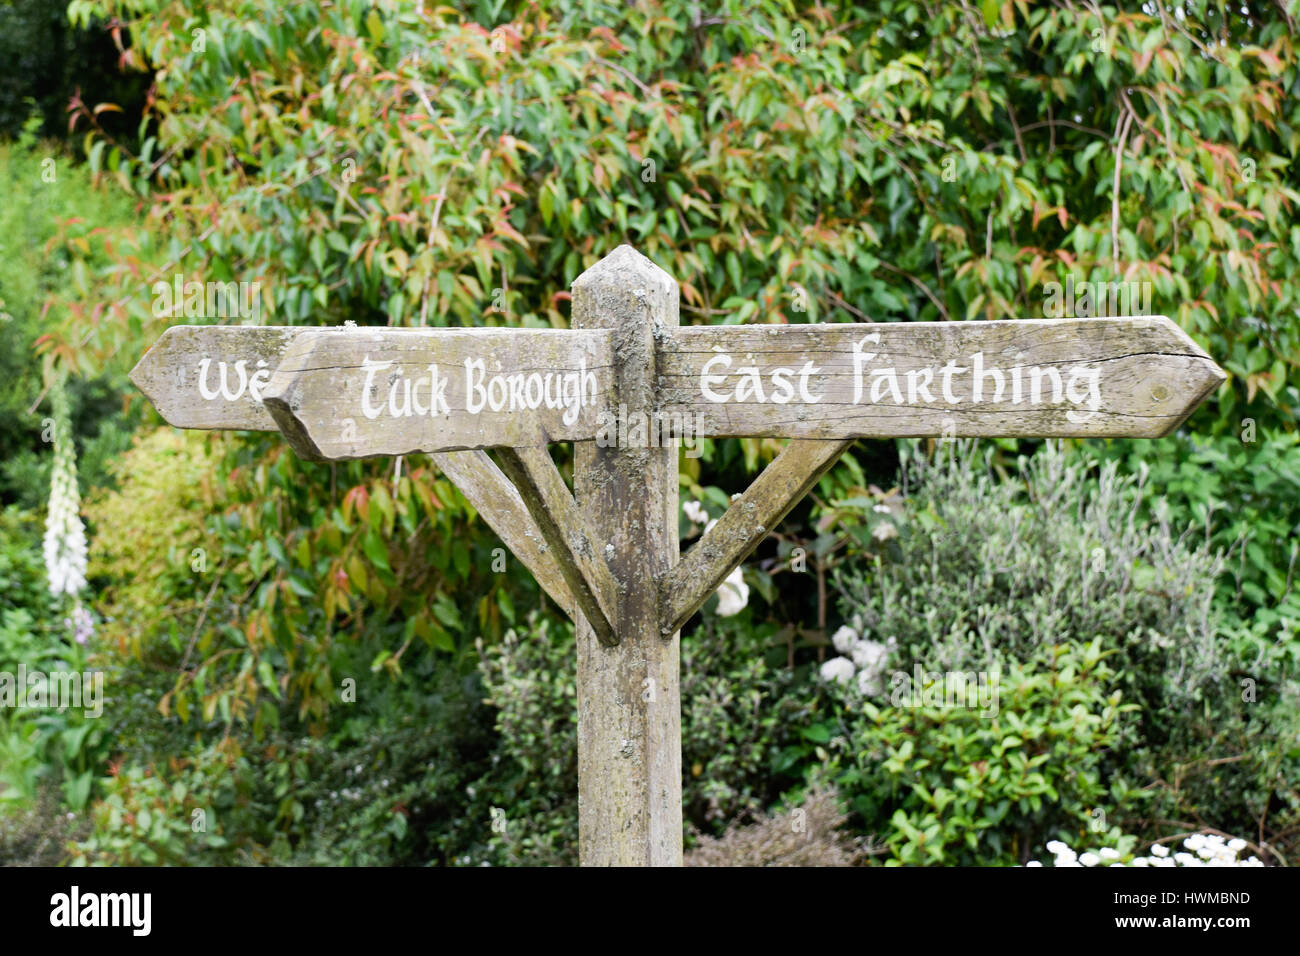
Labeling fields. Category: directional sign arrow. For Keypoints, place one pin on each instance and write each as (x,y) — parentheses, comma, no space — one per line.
(211,377)
(358,392)
(1139,377)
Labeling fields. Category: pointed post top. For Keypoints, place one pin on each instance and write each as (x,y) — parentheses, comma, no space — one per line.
(622,269)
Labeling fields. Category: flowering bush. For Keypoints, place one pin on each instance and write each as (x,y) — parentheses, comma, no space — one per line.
(1203,849)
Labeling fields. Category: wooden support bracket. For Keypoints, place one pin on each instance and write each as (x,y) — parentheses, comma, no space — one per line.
(572,544)
(499,504)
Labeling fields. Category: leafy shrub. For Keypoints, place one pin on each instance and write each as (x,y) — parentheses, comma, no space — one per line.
(1246,487)
(951,785)
(986,575)
(742,745)
(151,818)
(44,230)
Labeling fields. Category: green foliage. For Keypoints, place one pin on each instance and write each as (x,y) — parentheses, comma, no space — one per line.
(411,164)
(742,717)
(987,575)
(148,819)
(960,787)
(1246,488)
(48,61)
(46,231)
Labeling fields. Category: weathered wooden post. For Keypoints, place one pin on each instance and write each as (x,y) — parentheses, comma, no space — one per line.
(629,706)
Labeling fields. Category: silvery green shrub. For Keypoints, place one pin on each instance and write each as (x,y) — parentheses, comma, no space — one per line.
(990,571)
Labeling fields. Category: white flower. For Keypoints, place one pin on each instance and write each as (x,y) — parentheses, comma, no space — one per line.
(837,669)
(884,531)
(880,509)
(1108,854)
(1056,848)
(65,535)
(869,654)
(1090,859)
(844,639)
(1160,850)
(1141,861)
(733,594)
(695,512)
(869,682)
(1236,845)
(1033,863)
(1194,842)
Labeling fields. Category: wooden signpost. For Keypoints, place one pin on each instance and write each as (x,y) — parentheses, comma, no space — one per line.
(608,553)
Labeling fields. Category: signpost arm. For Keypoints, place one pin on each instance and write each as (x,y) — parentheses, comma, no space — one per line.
(629,709)
(783,483)
(573,546)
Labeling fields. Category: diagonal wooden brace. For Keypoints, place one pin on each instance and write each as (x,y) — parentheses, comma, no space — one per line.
(790,476)
(498,503)
(572,543)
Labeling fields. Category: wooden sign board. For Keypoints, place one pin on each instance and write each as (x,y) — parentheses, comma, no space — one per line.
(366,392)
(212,377)
(1035,377)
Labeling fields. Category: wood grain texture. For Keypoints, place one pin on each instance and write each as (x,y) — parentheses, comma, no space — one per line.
(573,545)
(629,709)
(783,483)
(358,393)
(1148,374)
(169,374)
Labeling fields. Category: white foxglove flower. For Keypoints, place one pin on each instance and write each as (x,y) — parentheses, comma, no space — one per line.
(733,594)
(65,535)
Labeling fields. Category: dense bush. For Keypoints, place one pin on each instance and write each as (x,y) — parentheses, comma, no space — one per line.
(957,785)
(988,575)
(742,720)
